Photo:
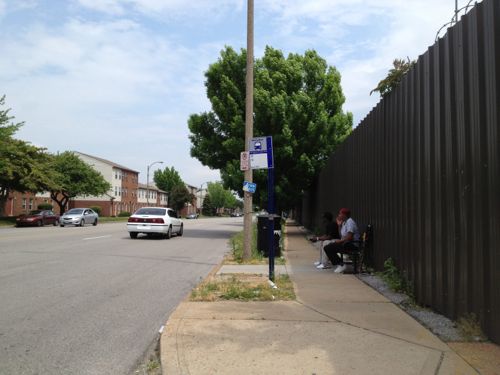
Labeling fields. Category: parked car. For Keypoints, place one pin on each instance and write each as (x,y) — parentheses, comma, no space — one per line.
(236,214)
(155,220)
(79,216)
(192,216)
(37,218)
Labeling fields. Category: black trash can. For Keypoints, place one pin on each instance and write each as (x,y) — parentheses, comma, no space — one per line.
(262,235)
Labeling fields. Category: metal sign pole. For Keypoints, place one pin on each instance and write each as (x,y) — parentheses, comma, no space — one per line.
(270,210)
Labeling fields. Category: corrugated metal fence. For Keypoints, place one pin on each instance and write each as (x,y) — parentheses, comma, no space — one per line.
(424,168)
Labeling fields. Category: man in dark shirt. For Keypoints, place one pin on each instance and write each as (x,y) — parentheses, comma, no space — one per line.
(331,233)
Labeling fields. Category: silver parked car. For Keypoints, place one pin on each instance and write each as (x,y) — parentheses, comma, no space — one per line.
(79,216)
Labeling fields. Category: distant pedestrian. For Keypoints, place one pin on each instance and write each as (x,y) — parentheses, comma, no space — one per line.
(331,233)
(348,232)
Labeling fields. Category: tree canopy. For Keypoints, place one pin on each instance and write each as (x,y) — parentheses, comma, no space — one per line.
(167,179)
(220,197)
(75,178)
(394,76)
(170,181)
(297,100)
(208,208)
(179,196)
(23,167)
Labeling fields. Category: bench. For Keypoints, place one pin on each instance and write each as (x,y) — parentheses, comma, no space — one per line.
(362,253)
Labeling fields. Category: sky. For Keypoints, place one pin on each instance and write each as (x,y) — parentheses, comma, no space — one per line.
(118,79)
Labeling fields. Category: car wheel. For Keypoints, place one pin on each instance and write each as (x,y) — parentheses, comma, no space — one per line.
(94,223)
(169,233)
(133,235)
(82,223)
(61,225)
(56,223)
(39,223)
(181,231)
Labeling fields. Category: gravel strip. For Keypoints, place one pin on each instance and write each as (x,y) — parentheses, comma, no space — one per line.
(440,325)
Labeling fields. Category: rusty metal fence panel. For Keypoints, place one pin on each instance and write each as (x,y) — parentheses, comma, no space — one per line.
(424,168)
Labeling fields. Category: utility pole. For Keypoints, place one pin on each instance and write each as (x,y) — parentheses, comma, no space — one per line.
(247,201)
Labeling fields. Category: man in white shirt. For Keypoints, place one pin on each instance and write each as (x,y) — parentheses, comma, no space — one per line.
(348,232)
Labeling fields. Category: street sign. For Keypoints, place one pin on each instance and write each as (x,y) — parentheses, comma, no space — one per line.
(261,153)
(244,161)
(249,187)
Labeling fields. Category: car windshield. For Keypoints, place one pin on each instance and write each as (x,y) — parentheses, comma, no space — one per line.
(75,211)
(35,212)
(151,211)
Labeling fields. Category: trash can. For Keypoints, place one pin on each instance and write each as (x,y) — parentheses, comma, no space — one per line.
(262,235)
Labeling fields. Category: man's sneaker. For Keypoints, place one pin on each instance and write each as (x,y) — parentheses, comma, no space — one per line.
(322,266)
(340,269)
(317,263)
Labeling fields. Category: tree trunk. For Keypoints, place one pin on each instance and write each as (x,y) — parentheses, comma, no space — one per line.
(4,195)
(61,199)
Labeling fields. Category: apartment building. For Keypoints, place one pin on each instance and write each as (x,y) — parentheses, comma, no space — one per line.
(126,193)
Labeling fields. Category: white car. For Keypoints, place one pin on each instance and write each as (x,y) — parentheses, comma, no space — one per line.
(155,220)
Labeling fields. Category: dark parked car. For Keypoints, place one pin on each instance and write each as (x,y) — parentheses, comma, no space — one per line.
(37,218)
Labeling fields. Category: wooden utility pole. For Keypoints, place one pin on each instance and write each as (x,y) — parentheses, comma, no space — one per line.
(247,222)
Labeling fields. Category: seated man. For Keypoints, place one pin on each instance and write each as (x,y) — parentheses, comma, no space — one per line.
(348,232)
(331,233)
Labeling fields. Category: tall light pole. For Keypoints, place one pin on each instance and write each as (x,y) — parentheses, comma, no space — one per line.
(247,201)
(147,179)
(201,193)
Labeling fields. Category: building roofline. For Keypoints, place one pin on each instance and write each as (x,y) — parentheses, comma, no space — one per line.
(113,164)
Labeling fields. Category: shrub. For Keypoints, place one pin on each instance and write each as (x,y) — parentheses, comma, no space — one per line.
(45,206)
(124,214)
(396,280)
(97,209)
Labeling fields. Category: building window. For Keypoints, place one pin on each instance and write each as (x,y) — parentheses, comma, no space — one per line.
(24,204)
(31,204)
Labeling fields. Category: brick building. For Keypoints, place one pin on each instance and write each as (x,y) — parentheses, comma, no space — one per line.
(126,193)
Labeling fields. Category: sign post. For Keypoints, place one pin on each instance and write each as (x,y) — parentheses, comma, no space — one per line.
(261,157)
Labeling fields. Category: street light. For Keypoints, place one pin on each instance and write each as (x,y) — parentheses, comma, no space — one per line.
(201,193)
(147,180)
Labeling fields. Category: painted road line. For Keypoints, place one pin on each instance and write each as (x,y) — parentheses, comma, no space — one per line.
(95,238)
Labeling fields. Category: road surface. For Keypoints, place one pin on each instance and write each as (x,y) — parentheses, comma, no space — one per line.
(91,300)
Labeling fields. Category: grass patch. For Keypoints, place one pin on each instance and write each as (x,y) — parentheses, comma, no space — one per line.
(256,256)
(470,328)
(395,280)
(241,289)
(109,219)
(7,221)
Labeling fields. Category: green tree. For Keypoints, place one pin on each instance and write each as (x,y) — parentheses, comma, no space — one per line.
(394,77)
(75,178)
(208,208)
(220,197)
(297,100)
(179,196)
(23,167)
(167,179)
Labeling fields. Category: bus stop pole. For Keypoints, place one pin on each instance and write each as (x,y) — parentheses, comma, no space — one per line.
(270,210)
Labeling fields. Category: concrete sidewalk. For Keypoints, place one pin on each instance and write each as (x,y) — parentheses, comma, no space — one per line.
(338,325)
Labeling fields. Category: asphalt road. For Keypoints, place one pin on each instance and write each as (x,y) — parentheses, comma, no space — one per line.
(91,300)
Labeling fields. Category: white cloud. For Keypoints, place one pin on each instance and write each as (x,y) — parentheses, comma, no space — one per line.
(120,82)
(361,38)
(164,8)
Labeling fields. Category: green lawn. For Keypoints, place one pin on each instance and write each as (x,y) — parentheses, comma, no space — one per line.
(105,219)
(7,221)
